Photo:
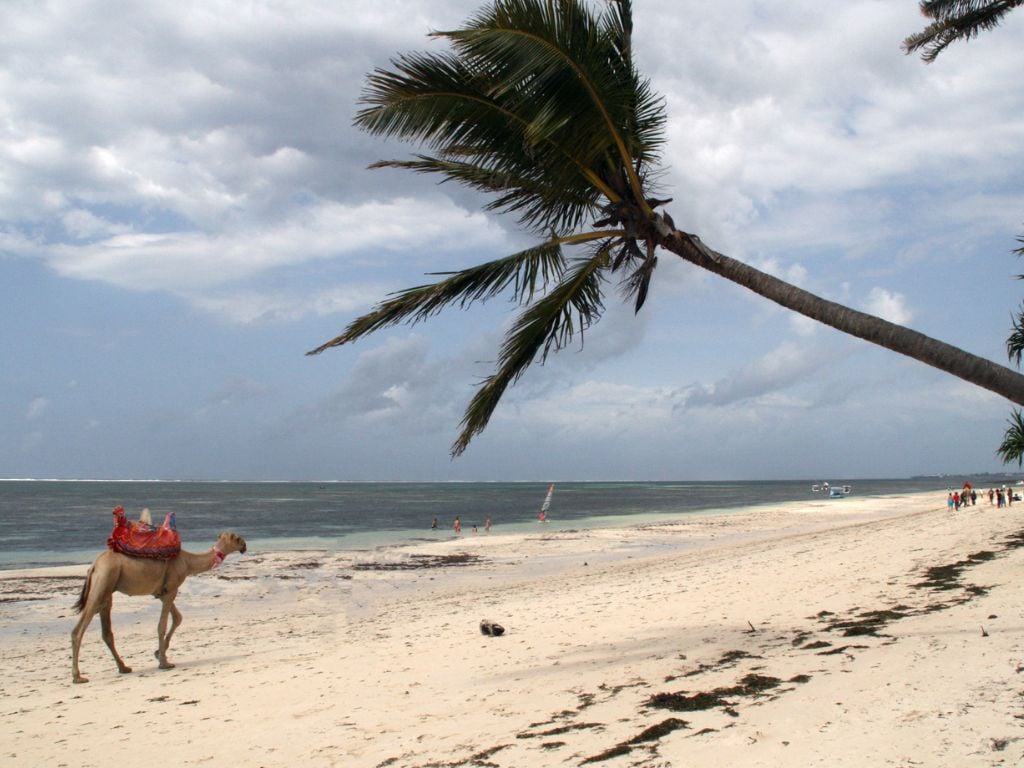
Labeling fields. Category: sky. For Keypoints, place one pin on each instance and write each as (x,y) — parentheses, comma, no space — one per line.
(186,209)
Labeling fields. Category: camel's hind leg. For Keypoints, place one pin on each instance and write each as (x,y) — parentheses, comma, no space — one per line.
(86,605)
(108,635)
(76,643)
(96,597)
(163,636)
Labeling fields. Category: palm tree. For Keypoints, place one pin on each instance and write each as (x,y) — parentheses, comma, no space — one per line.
(956,20)
(1012,446)
(538,104)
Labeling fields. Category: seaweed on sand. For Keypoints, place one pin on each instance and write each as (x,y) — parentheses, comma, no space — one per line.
(479,760)
(657,731)
(559,730)
(646,736)
(416,562)
(946,577)
(751,685)
(728,658)
(870,622)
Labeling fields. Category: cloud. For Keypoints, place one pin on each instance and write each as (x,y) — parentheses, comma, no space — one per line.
(888,306)
(192,264)
(775,109)
(397,384)
(285,306)
(194,145)
(37,408)
(771,374)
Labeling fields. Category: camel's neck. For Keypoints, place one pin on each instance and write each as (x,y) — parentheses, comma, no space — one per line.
(201,562)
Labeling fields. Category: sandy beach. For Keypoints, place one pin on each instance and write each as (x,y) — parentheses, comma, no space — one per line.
(861,632)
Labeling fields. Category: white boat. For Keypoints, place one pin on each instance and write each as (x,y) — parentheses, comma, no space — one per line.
(833,491)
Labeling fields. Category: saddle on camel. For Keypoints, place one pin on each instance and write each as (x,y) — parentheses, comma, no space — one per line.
(140,538)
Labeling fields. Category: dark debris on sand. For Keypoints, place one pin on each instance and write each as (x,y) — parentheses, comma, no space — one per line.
(418,562)
(947,577)
(645,737)
(728,659)
(24,589)
(869,622)
(939,578)
(751,685)
(479,760)
(560,730)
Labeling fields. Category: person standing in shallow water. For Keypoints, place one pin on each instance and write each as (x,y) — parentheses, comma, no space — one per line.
(487,524)
(457,526)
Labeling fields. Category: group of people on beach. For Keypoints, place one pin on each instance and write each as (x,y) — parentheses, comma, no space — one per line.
(457,525)
(998,497)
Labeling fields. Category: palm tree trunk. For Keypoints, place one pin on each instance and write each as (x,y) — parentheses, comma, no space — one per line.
(976,370)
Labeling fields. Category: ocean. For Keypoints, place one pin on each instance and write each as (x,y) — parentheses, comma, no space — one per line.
(45,522)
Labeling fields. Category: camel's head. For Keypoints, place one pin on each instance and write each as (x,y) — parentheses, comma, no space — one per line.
(229,542)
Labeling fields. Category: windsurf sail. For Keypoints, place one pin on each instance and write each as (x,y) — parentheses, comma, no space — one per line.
(547,502)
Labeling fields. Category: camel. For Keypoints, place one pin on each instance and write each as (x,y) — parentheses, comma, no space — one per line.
(114,572)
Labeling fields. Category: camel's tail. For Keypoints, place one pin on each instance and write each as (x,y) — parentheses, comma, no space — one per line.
(84,595)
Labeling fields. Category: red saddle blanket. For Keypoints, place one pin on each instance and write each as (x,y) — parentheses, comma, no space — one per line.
(139,539)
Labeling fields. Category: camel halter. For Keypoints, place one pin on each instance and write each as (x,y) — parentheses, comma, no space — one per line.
(218,557)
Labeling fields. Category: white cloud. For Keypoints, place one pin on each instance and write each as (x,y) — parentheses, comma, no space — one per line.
(37,408)
(775,372)
(778,106)
(81,224)
(188,261)
(397,384)
(276,306)
(889,306)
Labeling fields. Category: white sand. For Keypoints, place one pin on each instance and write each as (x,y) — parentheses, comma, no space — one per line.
(301,659)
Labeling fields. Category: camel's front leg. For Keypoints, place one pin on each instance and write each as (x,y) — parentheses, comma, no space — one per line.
(108,636)
(175,623)
(163,635)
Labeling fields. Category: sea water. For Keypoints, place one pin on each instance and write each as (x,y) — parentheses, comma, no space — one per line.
(44,522)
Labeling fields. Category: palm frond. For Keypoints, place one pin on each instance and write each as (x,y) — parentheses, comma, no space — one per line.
(448,103)
(956,20)
(548,55)
(638,283)
(532,90)
(520,191)
(525,272)
(549,324)
(1015,342)
(619,19)
(1012,446)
